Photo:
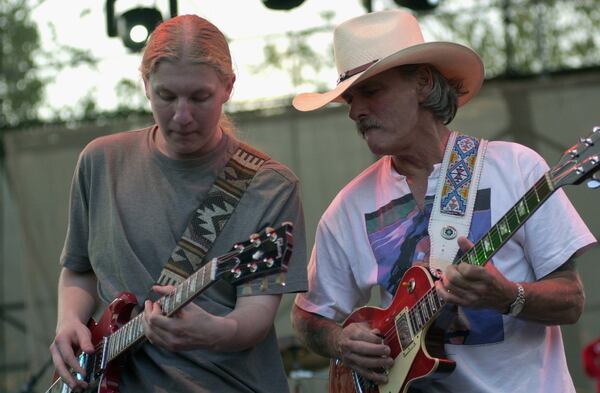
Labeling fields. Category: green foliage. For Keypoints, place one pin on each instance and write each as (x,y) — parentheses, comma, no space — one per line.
(20,87)
(514,37)
(519,37)
(292,52)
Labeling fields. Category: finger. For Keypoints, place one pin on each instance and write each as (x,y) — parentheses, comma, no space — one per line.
(378,377)
(464,244)
(163,289)
(64,371)
(85,341)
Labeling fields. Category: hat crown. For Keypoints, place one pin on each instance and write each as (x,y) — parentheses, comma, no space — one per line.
(374,36)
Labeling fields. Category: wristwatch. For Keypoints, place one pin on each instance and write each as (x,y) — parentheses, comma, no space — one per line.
(517,306)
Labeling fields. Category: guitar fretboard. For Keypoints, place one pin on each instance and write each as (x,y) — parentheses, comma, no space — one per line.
(132,332)
(506,226)
(430,304)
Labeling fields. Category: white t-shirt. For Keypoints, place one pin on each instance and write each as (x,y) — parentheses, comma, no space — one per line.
(373,232)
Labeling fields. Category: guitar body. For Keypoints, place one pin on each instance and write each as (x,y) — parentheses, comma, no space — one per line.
(116,315)
(117,332)
(414,323)
(417,355)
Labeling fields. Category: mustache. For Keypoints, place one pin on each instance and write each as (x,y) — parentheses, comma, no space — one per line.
(365,124)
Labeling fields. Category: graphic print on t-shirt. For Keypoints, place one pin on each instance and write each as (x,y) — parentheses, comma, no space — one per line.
(399,239)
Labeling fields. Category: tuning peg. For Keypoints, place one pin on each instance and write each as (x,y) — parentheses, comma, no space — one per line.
(573,152)
(269,230)
(587,141)
(236,273)
(255,239)
(238,247)
(269,261)
(253,267)
(596,129)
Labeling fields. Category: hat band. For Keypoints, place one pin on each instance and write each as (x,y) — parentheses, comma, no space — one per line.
(347,74)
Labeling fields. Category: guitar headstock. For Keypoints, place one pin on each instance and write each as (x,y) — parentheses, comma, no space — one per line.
(263,254)
(580,162)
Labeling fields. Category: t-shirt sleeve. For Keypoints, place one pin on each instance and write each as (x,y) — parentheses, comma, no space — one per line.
(74,255)
(279,191)
(332,289)
(555,232)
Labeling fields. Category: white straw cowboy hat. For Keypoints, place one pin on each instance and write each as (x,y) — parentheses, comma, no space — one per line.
(372,43)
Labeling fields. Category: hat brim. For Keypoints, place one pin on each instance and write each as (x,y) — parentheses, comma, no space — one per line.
(454,61)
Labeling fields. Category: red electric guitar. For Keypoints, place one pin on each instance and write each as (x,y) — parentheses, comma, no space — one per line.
(115,334)
(408,323)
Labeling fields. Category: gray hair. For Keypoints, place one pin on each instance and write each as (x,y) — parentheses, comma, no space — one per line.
(442,100)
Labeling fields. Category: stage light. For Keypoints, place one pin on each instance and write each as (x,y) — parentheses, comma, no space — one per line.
(418,5)
(282,4)
(134,26)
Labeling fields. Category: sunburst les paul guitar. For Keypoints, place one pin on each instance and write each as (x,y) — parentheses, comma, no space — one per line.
(409,324)
(115,334)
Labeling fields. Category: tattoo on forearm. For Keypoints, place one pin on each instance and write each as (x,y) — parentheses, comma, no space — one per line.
(317,334)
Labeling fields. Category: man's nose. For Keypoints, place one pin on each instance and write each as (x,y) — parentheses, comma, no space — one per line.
(183,114)
(357,110)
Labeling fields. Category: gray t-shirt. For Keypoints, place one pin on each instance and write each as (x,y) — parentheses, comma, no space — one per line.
(129,206)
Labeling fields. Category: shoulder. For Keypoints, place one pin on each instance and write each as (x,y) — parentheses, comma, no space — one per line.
(514,156)
(278,171)
(113,143)
(353,194)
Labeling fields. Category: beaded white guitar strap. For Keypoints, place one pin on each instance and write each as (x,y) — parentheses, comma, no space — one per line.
(455,197)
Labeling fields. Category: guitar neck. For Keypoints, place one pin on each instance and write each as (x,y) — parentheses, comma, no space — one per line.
(430,304)
(132,332)
(506,226)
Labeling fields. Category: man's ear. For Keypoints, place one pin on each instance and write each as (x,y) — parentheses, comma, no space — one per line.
(229,88)
(424,79)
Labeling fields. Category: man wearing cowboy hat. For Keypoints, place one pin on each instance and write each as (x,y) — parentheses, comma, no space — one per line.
(402,92)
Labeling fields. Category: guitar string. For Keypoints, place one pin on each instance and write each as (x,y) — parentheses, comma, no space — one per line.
(512,217)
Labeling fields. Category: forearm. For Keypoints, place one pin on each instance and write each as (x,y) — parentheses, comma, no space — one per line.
(318,333)
(77,296)
(558,299)
(247,325)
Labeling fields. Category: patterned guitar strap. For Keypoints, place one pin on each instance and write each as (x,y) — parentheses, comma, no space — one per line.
(210,217)
(453,205)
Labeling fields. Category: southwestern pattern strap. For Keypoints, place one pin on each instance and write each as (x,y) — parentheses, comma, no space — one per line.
(210,217)
(459,175)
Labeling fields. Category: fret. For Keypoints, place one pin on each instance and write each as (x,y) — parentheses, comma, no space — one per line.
(424,312)
(428,310)
(129,332)
(471,257)
(487,245)
(413,321)
(432,302)
(522,210)
(166,303)
(418,317)
(186,289)
(193,280)
(178,294)
(504,227)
